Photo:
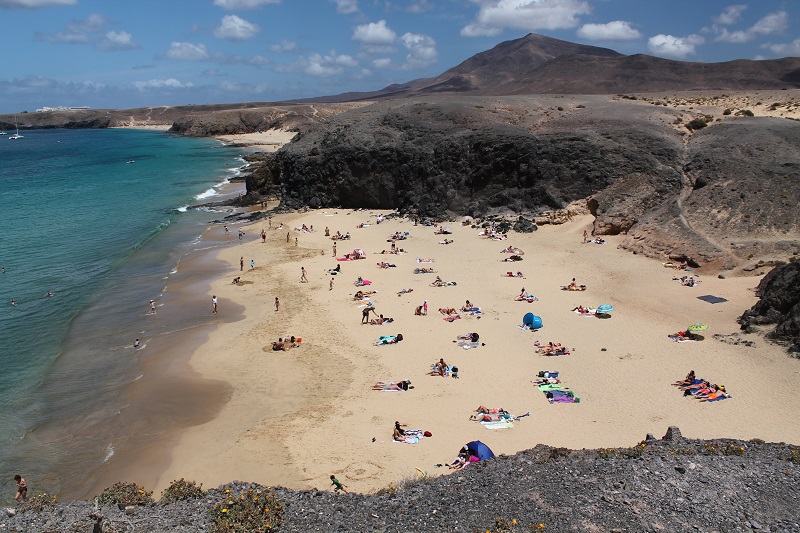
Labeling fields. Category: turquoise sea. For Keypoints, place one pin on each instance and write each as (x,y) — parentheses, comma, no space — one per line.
(97,218)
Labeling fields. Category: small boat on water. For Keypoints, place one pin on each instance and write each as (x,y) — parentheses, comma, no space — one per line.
(16,135)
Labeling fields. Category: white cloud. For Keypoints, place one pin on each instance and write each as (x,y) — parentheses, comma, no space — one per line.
(283,46)
(771,24)
(671,46)
(617,30)
(243,4)
(345,7)
(374,34)
(382,62)
(786,49)
(729,15)
(495,16)
(421,50)
(117,40)
(327,65)
(92,31)
(187,52)
(170,83)
(420,6)
(34,4)
(235,28)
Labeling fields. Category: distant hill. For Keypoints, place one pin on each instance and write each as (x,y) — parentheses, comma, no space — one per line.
(536,64)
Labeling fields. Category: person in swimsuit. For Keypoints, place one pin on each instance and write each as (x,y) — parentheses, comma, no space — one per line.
(337,485)
(22,489)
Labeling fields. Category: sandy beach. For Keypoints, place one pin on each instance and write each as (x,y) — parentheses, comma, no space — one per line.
(295,417)
(264,141)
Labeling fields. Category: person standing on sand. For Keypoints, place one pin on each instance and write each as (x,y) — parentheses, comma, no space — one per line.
(334,249)
(303,278)
(287,236)
(277,304)
(252,264)
(270,221)
(214,304)
(330,287)
(425,308)
(295,241)
(585,236)
(241,264)
(263,236)
(226,230)
(365,313)
(22,489)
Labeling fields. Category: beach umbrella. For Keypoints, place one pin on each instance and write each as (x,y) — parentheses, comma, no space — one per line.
(480,450)
(697,328)
(605,308)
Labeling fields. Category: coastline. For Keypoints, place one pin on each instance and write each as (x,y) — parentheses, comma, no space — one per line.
(296,417)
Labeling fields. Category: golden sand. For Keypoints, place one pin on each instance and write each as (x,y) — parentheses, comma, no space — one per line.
(296,417)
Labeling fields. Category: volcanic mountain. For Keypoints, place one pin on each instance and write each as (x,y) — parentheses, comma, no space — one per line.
(536,64)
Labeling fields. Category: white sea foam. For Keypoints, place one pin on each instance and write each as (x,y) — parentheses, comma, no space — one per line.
(109,453)
(183,208)
(207,194)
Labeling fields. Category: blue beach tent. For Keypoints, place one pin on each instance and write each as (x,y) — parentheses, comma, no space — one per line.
(534,321)
(480,450)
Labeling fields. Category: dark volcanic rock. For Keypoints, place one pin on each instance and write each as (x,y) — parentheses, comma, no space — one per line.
(779,304)
(682,485)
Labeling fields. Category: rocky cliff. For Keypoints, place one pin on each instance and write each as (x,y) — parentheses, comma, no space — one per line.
(674,484)
(779,306)
(720,196)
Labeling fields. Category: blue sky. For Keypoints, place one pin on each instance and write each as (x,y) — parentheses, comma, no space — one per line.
(131,53)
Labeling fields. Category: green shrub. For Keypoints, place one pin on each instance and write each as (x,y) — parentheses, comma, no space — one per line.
(38,503)
(182,490)
(697,124)
(745,113)
(726,112)
(254,511)
(124,493)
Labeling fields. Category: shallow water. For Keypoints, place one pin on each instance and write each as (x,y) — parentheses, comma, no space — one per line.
(104,236)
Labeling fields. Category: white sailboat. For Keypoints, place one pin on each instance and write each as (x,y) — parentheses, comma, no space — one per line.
(16,135)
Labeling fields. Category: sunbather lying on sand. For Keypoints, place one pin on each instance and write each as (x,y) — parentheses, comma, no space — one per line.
(388,339)
(393,385)
(421,260)
(381,320)
(512,259)
(424,270)
(512,275)
(359,295)
(383,264)
(682,336)
(446,241)
(404,291)
(583,310)
(553,349)
(469,337)
(448,311)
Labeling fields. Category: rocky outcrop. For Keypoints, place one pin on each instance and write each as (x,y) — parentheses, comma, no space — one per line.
(674,484)
(719,197)
(779,305)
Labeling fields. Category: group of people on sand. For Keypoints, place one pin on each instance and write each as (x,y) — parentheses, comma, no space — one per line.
(285,343)
(683,336)
(701,389)
(340,237)
(573,286)
(686,281)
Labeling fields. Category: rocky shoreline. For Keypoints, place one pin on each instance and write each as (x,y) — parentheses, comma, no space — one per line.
(671,484)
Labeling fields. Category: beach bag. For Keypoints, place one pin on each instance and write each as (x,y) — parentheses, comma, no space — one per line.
(428,434)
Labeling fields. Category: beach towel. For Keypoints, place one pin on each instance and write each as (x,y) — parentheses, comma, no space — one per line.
(712,299)
(451,318)
(498,424)
(468,345)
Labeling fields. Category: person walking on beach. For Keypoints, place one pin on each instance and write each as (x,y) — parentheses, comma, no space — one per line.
(152,307)
(214,304)
(303,278)
(277,303)
(241,233)
(585,236)
(287,236)
(334,249)
(22,489)
(241,264)
(425,308)
(263,236)
(226,230)
(295,241)
(252,264)
(337,485)
(270,221)
(330,287)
